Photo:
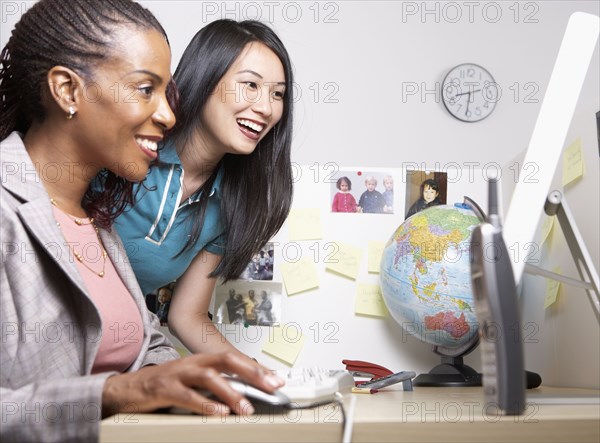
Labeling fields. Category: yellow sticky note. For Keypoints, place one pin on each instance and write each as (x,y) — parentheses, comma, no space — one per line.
(374,258)
(552,287)
(305,224)
(369,301)
(285,343)
(572,162)
(300,276)
(546,228)
(345,260)
(183,352)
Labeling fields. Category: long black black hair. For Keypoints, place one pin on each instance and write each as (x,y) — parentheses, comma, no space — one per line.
(76,34)
(256,188)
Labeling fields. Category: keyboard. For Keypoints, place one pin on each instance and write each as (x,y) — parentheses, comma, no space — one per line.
(308,387)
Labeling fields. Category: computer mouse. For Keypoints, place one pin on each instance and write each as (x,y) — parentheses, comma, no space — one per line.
(258,398)
(256,395)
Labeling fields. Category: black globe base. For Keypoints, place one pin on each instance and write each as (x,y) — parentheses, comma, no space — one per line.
(451,372)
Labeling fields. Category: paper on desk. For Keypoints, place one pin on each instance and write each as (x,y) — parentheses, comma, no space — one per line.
(345,260)
(300,276)
(369,301)
(285,343)
(374,258)
(572,162)
(304,224)
(552,287)
(546,228)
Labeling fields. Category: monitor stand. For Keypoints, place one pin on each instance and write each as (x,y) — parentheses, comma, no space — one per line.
(556,204)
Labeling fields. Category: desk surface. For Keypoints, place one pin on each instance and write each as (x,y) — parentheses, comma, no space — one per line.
(425,414)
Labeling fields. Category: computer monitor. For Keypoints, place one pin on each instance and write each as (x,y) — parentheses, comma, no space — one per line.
(494,290)
(598,128)
(549,135)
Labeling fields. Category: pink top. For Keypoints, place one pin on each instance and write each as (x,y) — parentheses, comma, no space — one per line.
(122,326)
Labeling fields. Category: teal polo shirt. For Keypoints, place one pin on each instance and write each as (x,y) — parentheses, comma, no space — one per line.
(155,229)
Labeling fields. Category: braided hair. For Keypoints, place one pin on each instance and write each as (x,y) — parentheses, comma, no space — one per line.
(76,35)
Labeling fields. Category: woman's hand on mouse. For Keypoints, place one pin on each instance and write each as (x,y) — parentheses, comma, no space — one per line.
(177,384)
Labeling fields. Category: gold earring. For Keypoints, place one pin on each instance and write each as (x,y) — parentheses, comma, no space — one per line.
(71,113)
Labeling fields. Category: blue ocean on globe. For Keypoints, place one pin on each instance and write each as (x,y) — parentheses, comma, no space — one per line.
(425,276)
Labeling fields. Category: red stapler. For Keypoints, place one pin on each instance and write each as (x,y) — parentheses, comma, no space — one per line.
(360,368)
(380,377)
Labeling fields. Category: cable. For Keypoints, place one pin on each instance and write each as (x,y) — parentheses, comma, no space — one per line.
(347,416)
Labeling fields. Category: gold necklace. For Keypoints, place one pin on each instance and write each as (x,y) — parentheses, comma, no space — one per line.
(77,221)
(77,255)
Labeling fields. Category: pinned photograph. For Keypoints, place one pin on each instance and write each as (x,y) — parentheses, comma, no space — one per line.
(425,189)
(159,302)
(362,192)
(248,303)
(261,265)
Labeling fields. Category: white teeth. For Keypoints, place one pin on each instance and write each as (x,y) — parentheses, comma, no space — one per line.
(148,144)
(254,126)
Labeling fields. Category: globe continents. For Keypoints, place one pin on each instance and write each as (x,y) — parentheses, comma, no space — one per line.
(425,276)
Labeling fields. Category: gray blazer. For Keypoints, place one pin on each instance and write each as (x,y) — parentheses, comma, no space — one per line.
(50,326)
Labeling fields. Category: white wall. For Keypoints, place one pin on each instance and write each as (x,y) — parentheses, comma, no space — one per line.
(362,58)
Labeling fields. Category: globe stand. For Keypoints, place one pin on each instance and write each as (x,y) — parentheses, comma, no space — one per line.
(451,371)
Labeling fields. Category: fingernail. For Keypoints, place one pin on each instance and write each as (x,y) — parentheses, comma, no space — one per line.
(246,407)
(274,380)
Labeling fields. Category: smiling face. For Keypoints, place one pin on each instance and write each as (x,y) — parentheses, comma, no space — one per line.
(246,104)
(371,184)
(429,194)
(124,111)
(164,295)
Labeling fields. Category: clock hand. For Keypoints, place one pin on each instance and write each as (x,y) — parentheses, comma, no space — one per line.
(470,92)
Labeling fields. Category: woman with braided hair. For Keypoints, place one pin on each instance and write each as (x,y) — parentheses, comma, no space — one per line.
(84,97)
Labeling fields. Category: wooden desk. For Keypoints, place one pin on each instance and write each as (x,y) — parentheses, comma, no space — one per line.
(425,415)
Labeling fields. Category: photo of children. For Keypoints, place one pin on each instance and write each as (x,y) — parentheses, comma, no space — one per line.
(377,196)
(248,303)
(425,190)
(261,265)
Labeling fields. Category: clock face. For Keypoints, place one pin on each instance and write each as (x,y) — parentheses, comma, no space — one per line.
(469,92)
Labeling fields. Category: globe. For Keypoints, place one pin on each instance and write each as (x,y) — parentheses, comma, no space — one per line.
(425,277)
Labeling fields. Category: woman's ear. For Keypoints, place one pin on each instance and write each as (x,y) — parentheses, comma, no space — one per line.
(65,89)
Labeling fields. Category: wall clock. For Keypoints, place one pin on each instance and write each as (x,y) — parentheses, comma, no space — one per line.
(469,92)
